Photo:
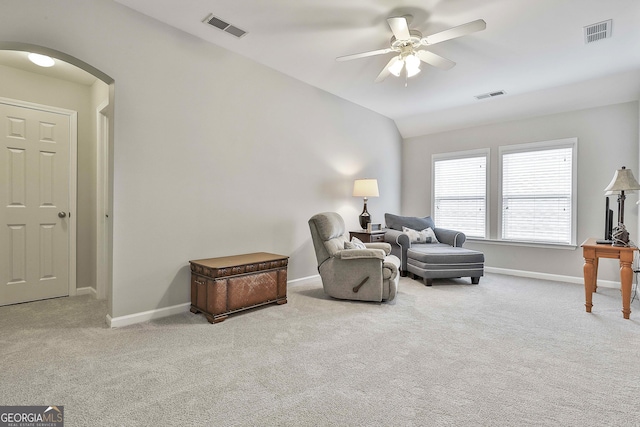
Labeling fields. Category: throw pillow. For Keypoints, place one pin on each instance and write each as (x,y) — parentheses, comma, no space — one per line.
(431,235)
(414,235)
(425,236)
(355,243)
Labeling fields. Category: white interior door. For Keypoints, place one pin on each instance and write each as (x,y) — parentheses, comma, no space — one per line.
(34,204)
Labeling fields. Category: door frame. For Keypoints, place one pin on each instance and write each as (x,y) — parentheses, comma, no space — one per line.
(73,176)
(102,200)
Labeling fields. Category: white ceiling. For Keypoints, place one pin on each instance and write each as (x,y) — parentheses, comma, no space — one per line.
(528,46)
(532,49)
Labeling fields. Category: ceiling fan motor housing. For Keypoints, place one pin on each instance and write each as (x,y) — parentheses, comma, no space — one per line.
(414,41)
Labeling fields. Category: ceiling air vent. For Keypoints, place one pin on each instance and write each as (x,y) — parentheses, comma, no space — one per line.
(224,26)
(599,31)
(490,94)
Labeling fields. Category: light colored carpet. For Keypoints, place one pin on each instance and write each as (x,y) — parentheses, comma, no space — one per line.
(510,351)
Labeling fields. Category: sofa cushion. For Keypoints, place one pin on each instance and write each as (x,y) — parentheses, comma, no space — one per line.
(444,254)
(396,222)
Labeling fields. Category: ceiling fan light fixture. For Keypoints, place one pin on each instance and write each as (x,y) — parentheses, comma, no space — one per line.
(406,43)
(396,67)
(413,65)
(412,71)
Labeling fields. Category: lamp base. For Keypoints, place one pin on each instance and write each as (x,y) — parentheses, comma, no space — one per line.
(364,220)
(620,236)
(364,217)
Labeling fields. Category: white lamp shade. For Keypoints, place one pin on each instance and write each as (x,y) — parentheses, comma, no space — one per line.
(413,65)
(623,180)
(412,71)
(365,188)
(396,67)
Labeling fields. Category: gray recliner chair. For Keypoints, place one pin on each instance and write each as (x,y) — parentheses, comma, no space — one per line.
(369,274)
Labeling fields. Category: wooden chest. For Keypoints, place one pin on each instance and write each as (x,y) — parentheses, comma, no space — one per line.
(220,286)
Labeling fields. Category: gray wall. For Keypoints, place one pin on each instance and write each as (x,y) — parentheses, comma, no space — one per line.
(607,139)
(26,86)
(213,154)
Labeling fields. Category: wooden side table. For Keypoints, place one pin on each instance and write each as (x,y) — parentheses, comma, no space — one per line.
(368,237)
(592,252)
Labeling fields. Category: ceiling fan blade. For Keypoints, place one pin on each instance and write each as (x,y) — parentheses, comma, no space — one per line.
(399,28)
(364,54)
(455,32)
(385,71)
(435,60)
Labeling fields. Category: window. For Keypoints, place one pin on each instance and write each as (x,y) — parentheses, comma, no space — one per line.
(538,192)
(460,191)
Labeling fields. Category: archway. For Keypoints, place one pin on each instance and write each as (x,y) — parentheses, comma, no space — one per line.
(103,132)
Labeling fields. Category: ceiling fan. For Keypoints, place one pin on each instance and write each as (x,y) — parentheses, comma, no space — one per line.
(408,45)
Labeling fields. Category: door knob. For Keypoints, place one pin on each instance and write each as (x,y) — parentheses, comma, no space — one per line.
(62,214)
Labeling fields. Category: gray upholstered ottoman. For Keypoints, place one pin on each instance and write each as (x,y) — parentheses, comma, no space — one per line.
(444,262)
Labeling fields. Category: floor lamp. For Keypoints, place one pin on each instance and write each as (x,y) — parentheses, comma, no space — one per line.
(365,188)
(623,180)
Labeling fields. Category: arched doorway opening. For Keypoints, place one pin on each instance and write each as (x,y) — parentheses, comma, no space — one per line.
(94,167)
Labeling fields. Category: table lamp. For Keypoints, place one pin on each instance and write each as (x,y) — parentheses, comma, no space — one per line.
(623,180)
(365,188)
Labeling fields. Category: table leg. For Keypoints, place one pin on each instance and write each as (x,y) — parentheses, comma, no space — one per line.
(595,274)
(589,281)
(626,276)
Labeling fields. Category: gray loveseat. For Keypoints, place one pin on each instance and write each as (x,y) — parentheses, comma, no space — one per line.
(445,259)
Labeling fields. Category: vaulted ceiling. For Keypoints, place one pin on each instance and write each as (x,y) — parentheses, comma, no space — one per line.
(529,49)
(534,50)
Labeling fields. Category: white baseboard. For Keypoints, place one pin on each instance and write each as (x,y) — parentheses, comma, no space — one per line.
(87,291)
(304,280)
(547,276)
(145,316)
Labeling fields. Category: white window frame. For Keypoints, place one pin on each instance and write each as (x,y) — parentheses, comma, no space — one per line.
(482,152)
(537,146)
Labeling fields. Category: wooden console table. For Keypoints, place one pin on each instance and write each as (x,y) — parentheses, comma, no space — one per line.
(221,286)
(591,252)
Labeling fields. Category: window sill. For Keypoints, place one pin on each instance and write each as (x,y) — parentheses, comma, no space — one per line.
(522,243)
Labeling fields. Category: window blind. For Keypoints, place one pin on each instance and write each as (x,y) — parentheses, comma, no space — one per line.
(460,194)
(537,195)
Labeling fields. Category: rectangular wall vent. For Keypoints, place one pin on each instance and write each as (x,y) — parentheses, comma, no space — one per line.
(224,26)
(490,94)
(599,31)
